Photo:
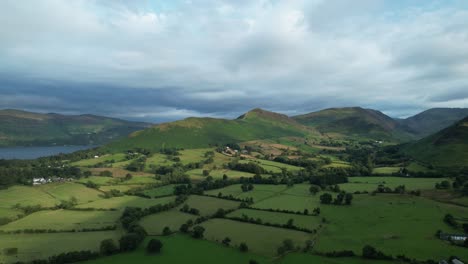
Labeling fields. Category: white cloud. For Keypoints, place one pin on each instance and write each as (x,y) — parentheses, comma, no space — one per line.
(272,54)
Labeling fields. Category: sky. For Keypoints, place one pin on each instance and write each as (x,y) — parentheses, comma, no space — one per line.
(166,60)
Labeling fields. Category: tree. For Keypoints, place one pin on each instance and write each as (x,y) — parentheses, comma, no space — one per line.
(326,198)
(253,261)
(206,173)
(369,252)
(108,247)
(226,241)
(348,198)
(167,231)
(129,242)
(128,177)
(243,247)
(314,189)
(290,223)
(198,232)
(184,228)
(316,211)
(154,246)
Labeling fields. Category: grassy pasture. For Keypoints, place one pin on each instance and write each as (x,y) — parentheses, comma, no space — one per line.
(155,223)
(304,221)
(9,213)
(25,195)
(122,188)
(99,180)
(289,202)
(272,165)
(386,170)
(182,249)
(193,155)
(64,220)
(157,159)
(161,191)
(197,174)
(301,258)
(105,158)
(371,183)
(119,172)
(41,246)
(394,224)
(126,201)
(67,190)
(263,240)
(260,191)
(209,205)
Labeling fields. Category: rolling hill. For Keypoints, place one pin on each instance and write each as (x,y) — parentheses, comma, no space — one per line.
(21,128)
(355,122)
(433,120)
(202,132)
(448,147)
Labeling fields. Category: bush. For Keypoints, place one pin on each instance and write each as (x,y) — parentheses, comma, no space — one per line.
(154,246)
(108,247)
(198,232)
(167,231)
(130,242)
(243,247)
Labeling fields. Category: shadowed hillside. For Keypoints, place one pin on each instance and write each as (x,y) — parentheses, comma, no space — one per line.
(433,120)
(21,128)
(445,148)
(355,122)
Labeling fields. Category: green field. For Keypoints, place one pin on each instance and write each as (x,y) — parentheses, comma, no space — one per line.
(64,220)
(371,183)
(126,201)
(272,166)
(394,224)
(41,246)
(260,191)
(99,180)
(263,240)
(183,249)
(386,170)
(121,188)
(105,158)
(155,223)
(161,191)
(304,221)
(24,196)
(209,205)
(197,174)
(65,191)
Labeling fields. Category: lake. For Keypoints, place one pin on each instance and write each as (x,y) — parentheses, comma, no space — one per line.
(37,152)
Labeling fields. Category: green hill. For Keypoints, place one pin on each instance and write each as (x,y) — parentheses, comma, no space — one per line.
(21,128)
(433,120)
(355,122)
(202,132)
(449,147)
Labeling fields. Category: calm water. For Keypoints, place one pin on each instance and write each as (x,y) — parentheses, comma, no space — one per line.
(36,152)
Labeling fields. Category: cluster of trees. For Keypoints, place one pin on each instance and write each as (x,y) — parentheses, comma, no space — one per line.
(137,164)
(188,210)
(370,252)
(251,167)
(442,185)
(246,187)
(384,189)
(341,198)
(69,257)
(316,211)
(286,246)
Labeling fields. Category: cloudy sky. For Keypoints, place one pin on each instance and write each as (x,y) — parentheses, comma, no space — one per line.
(164,60)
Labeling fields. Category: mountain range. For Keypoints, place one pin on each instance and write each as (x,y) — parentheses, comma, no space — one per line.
(437,136)
(21,128)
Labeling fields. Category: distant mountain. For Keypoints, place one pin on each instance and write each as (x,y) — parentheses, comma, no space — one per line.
(355,122)
(448,147)
(203,132)
(21,128)
(433,120)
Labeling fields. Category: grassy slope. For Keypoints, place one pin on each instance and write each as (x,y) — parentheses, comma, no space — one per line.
(354,122)
(446,148)
(25,128)
(203,132)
